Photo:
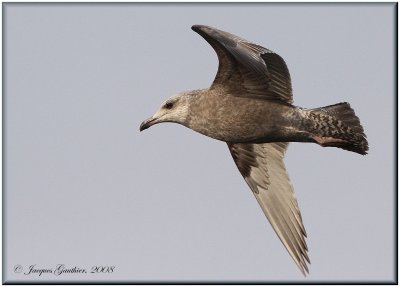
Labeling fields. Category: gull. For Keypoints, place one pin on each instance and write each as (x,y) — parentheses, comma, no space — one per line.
(250,107)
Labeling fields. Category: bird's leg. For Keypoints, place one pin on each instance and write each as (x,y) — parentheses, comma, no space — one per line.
(328,141)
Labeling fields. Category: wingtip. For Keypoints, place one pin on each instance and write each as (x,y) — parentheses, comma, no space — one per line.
(304,267)
(197,27)
(202,28)
(302,263)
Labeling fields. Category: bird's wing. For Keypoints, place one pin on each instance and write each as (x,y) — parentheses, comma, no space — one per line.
(264,171)
(247,69)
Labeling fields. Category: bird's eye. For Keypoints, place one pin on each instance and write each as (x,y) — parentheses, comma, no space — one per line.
(168,106)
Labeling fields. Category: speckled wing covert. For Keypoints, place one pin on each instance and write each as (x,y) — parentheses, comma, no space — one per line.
(264,171)
(247,69)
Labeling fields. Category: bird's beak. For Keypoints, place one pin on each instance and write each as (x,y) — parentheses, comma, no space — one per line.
(148,123)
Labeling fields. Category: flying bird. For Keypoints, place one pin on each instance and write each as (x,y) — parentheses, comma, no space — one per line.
(250,107)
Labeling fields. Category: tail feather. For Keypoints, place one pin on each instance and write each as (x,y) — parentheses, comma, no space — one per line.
(338,126)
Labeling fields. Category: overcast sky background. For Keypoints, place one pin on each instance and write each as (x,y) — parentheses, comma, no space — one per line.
(84,188)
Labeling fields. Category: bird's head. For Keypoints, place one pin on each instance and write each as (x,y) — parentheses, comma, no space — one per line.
(175,109)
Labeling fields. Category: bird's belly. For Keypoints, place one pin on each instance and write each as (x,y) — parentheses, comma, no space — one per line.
(245,130)
(245,121)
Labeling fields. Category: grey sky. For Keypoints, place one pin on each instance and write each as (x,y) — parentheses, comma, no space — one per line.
(84,188)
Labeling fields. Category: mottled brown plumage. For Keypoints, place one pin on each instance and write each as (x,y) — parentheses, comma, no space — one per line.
(249,106)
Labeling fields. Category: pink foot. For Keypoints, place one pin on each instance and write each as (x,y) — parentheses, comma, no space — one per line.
(327,141)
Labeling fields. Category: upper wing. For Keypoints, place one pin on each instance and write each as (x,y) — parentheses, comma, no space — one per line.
(247,69)
(264,171)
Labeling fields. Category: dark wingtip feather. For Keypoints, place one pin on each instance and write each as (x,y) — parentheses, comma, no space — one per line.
(196,27)
(200,28)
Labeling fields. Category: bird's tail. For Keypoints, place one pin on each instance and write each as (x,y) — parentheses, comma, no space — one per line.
(338,126)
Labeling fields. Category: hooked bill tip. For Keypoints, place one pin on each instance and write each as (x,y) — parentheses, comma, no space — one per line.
(147,123)
(143,126)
